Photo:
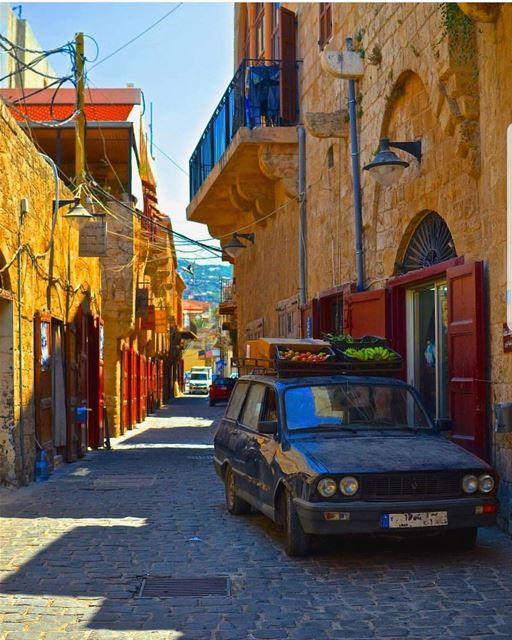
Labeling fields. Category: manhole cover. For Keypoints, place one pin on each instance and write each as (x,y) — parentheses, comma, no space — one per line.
(166,587)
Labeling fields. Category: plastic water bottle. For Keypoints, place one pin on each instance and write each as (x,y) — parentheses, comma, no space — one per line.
(42,466)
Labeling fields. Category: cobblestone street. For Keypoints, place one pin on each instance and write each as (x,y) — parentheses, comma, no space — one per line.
(74,549)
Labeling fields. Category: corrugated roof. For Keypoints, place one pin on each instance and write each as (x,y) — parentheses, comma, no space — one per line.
(68,96)
(101,105)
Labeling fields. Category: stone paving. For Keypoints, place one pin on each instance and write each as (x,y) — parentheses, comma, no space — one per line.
(74,549)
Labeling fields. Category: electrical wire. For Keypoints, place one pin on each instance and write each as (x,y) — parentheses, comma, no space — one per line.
(170,159)
(151,26)
(152,221)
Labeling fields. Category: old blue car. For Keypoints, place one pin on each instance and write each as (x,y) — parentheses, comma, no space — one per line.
(335,455)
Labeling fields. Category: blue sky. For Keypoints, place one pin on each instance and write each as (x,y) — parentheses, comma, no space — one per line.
(183,66)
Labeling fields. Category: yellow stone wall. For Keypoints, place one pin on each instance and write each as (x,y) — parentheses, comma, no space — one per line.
(421,88)
(24,174)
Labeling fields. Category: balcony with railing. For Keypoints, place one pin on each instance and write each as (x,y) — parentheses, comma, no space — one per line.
(227,304)
(234,166)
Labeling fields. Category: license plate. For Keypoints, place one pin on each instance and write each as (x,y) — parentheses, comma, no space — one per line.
(413,520)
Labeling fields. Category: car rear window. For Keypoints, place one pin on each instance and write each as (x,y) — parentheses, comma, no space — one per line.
(236,401)
(224,382)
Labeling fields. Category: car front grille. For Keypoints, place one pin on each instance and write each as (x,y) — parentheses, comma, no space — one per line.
(409,486)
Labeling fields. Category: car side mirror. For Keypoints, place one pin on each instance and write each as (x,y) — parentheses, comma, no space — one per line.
(268,427)
(443,424)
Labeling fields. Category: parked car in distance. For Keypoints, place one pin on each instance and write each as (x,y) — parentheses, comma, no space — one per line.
(220,390)
(335,455)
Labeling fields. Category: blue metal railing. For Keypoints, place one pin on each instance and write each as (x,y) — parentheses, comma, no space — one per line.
(237,108)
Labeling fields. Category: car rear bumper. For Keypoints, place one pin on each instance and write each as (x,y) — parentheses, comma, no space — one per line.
(366,517)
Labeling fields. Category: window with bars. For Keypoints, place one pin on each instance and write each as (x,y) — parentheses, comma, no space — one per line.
(325,30)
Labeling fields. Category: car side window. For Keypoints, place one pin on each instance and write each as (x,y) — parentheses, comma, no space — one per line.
(252,409)
(236,401)
(270,405)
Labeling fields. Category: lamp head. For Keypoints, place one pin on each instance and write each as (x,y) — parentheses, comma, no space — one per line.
(234,247)
(386,167)
(77,214)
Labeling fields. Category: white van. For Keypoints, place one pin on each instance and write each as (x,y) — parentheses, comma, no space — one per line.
(200,380)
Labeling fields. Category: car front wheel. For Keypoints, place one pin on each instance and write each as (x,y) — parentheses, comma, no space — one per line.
(296,541)
(235,505)
(211,403)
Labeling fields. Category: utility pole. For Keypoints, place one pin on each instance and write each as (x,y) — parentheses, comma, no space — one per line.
(80,118)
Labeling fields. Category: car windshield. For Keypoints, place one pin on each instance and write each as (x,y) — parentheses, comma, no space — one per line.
(199,376)
(353,407)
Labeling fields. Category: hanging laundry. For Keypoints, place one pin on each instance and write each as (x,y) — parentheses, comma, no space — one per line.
(262,91)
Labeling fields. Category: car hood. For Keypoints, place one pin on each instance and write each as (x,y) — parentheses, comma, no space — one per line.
(376,454)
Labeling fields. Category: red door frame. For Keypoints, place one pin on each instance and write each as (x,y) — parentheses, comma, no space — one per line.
(398,287)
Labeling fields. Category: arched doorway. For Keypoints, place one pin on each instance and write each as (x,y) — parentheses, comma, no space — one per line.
(431,243)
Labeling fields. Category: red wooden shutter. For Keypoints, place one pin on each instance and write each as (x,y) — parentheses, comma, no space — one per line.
(365,313)
(125,372)
(287,54)
(467,356)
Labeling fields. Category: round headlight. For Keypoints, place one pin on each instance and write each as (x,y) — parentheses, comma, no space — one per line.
(486,483)
(470,484)
(326,487)
(349,486)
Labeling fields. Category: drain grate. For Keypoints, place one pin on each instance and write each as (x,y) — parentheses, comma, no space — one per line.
(167,587)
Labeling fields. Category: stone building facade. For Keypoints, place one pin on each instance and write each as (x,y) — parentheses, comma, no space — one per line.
(435,243)
(45,287)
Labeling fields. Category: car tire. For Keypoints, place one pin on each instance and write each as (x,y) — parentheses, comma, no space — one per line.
(461,539)
(211,403)
(235,505)
(296,542)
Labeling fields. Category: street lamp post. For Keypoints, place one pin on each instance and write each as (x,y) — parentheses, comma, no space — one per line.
(356,178)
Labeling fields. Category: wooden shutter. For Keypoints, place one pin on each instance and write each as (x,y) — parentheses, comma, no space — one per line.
(288,57)
(467,356)
(125,372)
(365,313)
(43,383)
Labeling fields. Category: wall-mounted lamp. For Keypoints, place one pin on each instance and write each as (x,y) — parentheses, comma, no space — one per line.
(77,213)
(387,167)
(234,247)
